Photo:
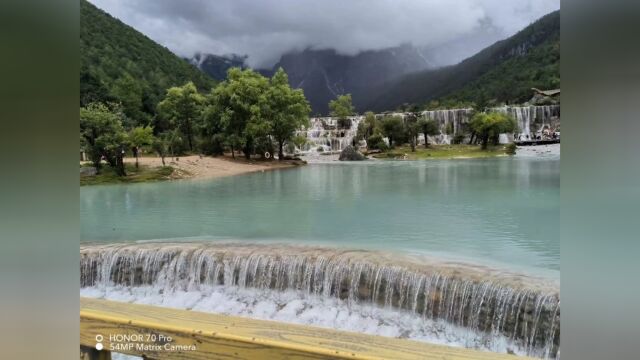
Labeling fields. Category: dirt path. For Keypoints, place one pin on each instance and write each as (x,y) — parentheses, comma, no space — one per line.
(205,167)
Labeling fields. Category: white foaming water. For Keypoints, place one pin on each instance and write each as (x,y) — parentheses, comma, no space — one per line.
(363,291)
(302,308)
(324,135)
(471,299)
(526,115)
(539,151)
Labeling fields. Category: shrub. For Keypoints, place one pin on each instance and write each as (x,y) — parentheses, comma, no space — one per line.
(376,142)
(511,149)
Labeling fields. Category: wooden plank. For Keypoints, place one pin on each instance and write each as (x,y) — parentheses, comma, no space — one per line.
(217,336)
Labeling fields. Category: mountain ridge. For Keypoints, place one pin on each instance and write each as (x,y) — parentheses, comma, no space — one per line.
(379,80)
(505,71)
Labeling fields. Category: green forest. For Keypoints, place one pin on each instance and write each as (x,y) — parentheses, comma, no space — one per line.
(136,94)
(119,64)
(246,113)
(511,80)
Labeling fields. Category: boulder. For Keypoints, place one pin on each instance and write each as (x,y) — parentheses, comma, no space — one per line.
(351,154)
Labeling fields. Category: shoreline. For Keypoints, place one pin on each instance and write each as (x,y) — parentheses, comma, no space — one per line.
(208,167)
(447,152)
(441,152)
(539,151)
(196,167)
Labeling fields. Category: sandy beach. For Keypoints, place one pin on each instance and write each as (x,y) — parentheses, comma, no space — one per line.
(206,167)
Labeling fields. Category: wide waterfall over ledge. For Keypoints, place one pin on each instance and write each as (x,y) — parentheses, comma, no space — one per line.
(523,309)
(324,134)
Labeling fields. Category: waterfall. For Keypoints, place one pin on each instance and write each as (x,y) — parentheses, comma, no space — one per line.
(524,309)
(324,135)
(457,117)
(527,116)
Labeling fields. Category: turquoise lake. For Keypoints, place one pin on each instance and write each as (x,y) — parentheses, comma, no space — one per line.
(500,211)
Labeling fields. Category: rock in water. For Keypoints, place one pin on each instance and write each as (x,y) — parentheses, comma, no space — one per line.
(351,154)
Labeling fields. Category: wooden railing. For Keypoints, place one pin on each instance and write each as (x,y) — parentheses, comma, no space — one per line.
(154,332)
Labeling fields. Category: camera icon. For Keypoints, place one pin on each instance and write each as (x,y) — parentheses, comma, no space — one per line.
(99,339)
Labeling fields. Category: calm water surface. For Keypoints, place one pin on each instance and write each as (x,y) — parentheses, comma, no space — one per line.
(504,210)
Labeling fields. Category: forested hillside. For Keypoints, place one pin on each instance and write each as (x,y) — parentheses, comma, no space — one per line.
(118,63)
(505,72)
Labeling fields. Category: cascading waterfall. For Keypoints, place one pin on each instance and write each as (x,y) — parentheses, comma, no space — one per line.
(324,135)
(457,117)
(526,116)
(523,309)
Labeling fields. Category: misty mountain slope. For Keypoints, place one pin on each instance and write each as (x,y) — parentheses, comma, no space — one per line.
(324,74)
(505,71)
(112,52)
(216,66)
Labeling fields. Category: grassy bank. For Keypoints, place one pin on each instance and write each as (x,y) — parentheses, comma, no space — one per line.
(134,175)
(461,151)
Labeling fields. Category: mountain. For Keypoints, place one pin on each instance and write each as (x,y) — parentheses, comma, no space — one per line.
(503,72)
(324,74)
(118,63)
(216,66)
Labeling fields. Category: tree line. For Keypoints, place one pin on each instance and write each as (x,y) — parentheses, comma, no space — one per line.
(250,114)
(247,113)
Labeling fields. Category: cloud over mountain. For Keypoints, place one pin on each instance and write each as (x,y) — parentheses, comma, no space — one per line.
(266,29)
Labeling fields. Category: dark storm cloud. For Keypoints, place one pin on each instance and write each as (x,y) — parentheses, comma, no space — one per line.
(264,29)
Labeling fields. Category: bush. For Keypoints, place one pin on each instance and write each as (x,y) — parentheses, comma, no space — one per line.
(376,142)
(511,148)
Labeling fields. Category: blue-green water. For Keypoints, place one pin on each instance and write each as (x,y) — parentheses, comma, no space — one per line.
(503,210)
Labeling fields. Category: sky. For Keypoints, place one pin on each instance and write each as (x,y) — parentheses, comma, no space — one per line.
(265,29)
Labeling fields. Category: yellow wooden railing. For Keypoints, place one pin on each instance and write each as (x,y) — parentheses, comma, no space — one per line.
(156,332)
